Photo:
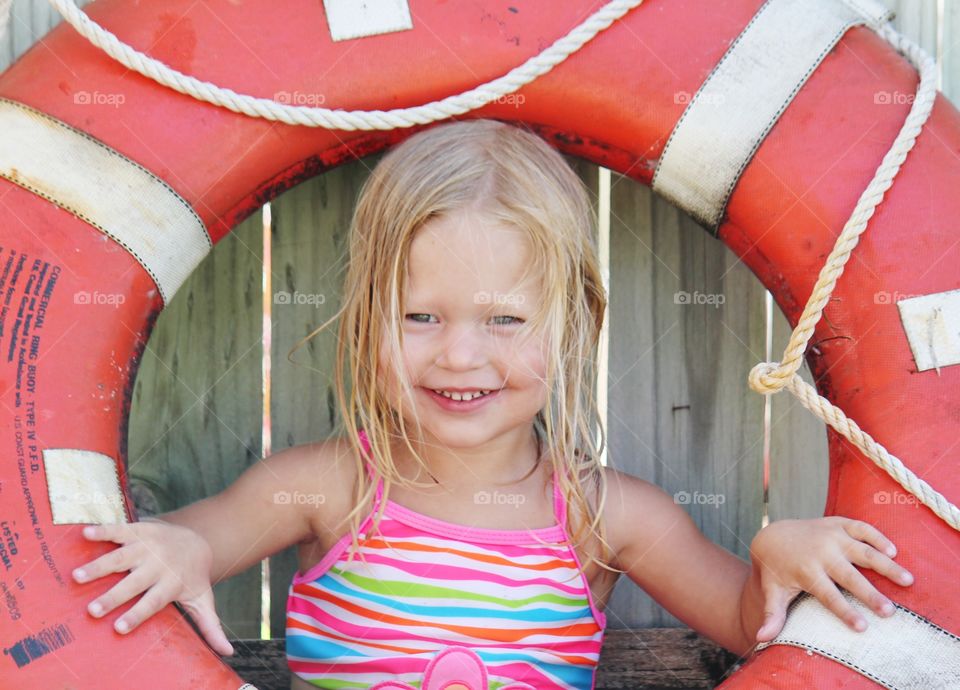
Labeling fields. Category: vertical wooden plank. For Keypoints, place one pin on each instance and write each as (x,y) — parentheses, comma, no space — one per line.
(195,419)
(686,327)
(950,53)
(799,459)
(918,21)
(29,22)
(309,248)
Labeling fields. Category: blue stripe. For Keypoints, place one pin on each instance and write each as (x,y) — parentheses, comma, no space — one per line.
(315,648)
(577,676)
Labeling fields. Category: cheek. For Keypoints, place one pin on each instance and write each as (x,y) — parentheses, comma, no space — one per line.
(528,366)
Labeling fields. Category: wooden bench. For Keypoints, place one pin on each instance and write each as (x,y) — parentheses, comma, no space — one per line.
(641,659)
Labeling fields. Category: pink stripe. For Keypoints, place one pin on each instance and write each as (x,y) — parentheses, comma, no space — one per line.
(396,529)
(553,534)
(452,572)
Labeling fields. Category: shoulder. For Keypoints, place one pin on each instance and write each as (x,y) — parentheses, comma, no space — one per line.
(318,478)
(637,513)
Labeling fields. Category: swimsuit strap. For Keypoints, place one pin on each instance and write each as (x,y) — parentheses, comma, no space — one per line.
(370,468)
(559,504)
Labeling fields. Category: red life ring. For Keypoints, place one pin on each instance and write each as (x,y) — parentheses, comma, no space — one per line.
(637,99)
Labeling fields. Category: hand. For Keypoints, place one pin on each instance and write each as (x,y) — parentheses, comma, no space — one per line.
(810,555)
(166,561)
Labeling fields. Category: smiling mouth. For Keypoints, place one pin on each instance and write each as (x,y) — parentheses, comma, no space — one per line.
(466,396)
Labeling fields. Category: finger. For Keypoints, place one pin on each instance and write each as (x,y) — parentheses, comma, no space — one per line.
(203,613)
(864,531)
(828,594)
(775,603)
(865,555)
(122,592)
(153,600)
(119,532)
(117,560)
(854,582)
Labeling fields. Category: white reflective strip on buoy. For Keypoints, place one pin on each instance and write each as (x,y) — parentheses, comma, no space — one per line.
(109,191)
(932,324)
(83,487)
(727,119)
(904,651)
(351,19)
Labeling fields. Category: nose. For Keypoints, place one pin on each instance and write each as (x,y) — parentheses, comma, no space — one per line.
(462,348)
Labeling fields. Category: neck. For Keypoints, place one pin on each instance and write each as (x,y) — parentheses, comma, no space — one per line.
(502,461)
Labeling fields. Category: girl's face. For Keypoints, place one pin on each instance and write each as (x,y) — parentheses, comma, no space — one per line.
(466,329)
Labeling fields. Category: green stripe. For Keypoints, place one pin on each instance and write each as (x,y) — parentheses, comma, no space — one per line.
(401,589)
(334,683)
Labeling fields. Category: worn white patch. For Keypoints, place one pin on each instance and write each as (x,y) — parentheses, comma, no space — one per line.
(728,118)
(83,486)
(109,191)
(932,324)
(903,652)
(358,18)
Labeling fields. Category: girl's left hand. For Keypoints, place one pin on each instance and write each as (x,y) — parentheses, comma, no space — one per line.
(796,556)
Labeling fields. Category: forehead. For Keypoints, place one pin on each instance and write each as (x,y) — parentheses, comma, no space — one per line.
(467,250)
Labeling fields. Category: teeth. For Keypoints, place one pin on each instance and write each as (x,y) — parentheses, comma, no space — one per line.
(462,397)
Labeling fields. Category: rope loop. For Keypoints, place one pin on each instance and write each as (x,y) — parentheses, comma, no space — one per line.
(769,377)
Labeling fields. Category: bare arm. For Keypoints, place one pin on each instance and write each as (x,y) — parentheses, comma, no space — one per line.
(257,515)
(733,602)
(178,555)
(662,550)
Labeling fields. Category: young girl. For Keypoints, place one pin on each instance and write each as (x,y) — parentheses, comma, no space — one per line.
(462,529)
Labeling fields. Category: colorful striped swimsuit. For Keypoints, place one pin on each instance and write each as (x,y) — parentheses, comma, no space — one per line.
(436,602)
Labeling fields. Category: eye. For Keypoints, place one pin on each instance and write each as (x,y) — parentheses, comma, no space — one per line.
(415,318)
(515,319)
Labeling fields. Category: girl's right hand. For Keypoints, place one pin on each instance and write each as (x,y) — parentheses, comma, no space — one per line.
(166,562)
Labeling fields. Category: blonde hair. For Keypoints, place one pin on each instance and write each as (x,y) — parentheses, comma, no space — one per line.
(512,176)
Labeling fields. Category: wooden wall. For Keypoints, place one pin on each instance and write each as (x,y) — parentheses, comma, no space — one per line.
(680,412)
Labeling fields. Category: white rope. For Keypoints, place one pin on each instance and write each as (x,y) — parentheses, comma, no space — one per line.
(770,377)
(6,9)
(349,120)
(765,377)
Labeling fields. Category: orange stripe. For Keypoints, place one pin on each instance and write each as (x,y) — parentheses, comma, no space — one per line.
(584,629)
(496,560)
